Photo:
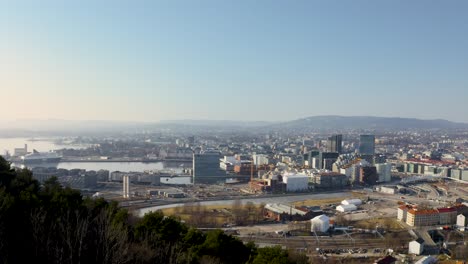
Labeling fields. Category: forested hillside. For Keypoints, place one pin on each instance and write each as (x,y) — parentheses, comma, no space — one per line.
(51,224)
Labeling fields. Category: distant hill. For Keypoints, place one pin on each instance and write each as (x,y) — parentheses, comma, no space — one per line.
(71,127)
(215,123)
(367,122)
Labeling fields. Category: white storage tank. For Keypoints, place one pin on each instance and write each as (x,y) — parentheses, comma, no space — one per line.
(320,223)
(346,208)
(356,202)
(296,182)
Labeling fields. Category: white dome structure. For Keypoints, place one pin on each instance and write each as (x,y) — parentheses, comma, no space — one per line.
(320,223)
(356,202)
(346,208)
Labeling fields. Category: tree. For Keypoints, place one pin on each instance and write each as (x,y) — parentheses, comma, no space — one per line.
(239,213)
(224,247)
(51,224)
(271,255)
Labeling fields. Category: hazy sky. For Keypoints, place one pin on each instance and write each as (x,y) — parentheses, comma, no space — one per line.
(237,60)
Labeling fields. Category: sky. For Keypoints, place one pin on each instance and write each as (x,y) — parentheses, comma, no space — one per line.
(233,60)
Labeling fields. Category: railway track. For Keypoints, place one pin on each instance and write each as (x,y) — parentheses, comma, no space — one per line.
(311,242)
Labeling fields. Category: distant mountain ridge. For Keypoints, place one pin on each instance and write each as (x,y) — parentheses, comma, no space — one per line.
(326,122)
(368,122)
(226,123)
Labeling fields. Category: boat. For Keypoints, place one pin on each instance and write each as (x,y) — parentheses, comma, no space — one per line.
(41,157)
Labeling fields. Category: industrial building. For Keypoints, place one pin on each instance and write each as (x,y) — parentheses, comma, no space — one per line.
(282,212)
(320,223)
(296,182)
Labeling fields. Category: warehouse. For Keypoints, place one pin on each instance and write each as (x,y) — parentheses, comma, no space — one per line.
(281,212)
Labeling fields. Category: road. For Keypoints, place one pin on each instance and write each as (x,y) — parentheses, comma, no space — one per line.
(288,199)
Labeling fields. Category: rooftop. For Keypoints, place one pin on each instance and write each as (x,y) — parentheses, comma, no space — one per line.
(446,210)
(423,212)
(284,209)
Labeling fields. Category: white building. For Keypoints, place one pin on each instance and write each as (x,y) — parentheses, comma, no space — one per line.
(320,223)
(126,186)
(346,208)
(402,213)
(356,202)
(228,162)
(296,182)
(416,246)
(284,209)
(260,159)
(462,221)
(388,189)
(384,172)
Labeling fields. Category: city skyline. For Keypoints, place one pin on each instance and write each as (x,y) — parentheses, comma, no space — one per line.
(262,61)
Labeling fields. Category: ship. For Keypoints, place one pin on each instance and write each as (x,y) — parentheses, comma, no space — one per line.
(41,157)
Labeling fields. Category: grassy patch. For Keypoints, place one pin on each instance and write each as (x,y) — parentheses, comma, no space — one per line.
(388,223)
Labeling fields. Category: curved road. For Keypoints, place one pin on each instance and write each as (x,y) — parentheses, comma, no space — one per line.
(257,200)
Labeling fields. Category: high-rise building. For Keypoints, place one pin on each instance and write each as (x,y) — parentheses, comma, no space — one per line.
(206,167)
(384,172)
(126,186)
(322,156)
(367,144)
(368,175)
(334,143)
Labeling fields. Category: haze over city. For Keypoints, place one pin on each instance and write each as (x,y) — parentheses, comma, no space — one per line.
(233,60)
(234,131)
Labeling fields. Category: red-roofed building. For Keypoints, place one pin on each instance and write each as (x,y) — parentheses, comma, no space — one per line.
(426,217)
(403,212)
(447,216)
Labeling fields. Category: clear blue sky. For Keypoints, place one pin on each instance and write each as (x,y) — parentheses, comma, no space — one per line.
(236,60)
